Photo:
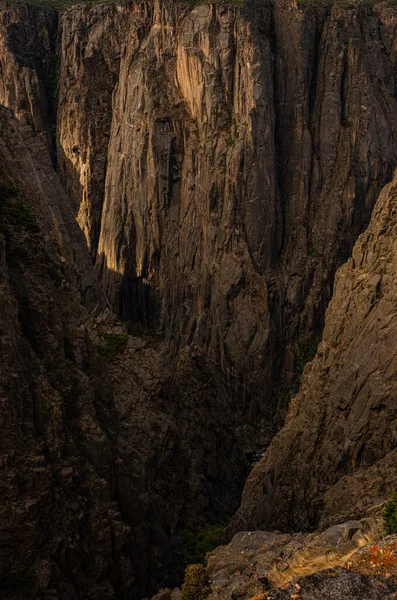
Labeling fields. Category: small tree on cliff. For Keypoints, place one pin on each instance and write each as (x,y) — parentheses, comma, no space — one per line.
(390,515)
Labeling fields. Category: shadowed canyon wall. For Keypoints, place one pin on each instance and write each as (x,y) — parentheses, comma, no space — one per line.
(105,459)
(336,455)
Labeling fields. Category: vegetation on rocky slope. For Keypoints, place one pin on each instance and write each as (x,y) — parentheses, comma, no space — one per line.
(62,5)
(390,515)
(344,4)
(198,544)
(196,584)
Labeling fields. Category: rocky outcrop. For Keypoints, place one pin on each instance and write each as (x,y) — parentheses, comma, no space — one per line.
(107,454)
(336,453)
(256,561)
(348,560)
(337,584)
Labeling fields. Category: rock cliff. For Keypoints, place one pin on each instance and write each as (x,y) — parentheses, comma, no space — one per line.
(28,65)
(221,161)
(106,454)
(336,454)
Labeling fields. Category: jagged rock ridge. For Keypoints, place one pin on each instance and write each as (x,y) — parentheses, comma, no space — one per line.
(336,454)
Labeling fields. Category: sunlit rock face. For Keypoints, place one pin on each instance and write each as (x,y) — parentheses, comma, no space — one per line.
(28,71)
(222,161)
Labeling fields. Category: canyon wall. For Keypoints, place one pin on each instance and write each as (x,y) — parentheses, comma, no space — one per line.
(106,456)
(222,162)
(336,455)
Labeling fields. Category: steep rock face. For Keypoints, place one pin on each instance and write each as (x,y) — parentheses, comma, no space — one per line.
(57,411)
(102,466)
(176,251)
(245,149)
(221,161)
(336,453)
(90,46)
(28,69)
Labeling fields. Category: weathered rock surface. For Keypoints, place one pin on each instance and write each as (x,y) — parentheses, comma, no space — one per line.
(330,584)
(336,453)
(223,160)
(61,526)
(348,560)
(337,584)
(256,561)
(28,64)
(102,465)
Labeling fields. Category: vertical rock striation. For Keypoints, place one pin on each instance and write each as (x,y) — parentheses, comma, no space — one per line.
(103,463)
(221,161)
(336,454)
(28,65)
(225,164)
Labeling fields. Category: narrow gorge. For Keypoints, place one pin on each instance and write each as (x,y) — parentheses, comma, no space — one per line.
(180,186)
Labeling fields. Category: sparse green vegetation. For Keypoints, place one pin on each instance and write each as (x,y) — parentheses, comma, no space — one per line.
(313,253)
(196,584)
(305,351)
(390,515)
(198,544)
(13,212)
(114,344)
(62,5)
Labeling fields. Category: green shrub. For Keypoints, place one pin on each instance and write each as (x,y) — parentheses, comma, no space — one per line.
(198,544)
(196,584)
(390,515)
(114,344)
